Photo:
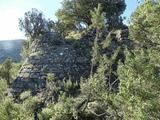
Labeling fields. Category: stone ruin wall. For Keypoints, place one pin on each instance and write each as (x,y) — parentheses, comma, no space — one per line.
(63,59)
(47,57)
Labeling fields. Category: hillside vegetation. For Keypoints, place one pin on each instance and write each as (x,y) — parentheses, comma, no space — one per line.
(122,85)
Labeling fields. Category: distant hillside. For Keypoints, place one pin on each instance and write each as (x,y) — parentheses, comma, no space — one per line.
(11,49)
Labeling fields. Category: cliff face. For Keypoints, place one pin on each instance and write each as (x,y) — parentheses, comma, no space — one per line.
(50,54)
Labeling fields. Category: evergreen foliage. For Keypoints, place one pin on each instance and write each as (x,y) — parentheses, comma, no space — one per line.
(138,97)
(34,24)
(130,91)
(75,12)
(139,85)
(97,18)
(5,71)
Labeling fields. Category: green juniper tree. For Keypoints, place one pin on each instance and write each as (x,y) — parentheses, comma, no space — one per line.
(34,24)
(5,71)
(139,95)
(75,13)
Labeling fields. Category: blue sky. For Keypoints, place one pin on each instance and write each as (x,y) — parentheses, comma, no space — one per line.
(11,10)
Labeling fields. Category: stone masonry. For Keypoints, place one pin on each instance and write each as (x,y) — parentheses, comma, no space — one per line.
(50,56)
